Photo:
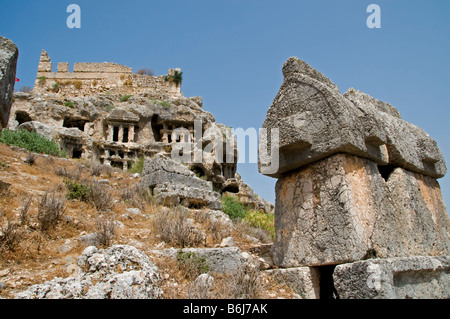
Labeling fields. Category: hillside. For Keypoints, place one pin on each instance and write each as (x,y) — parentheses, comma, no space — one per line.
(120,213)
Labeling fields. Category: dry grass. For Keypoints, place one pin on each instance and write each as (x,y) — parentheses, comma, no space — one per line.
(37,255)
(105,229)
(50,210)
(100,196)
(175,228)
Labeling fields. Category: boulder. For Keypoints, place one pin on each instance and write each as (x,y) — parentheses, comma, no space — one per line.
(220,260)
(8,64)
(118,272)
(173,183)
(39,128)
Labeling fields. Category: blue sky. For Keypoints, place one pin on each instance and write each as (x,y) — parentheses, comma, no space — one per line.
(231,52)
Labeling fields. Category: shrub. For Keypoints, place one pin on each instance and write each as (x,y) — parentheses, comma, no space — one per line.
(97,194)
(176,229)
(76,190)
(74,174)
(246,283)
(191,265)
(55,87)
(98,169)
(42,80)
(233,208)
(69,104)
(77,84)
(31,159)
(138,166)
(177,77)
(109,107)
(164,103)
(24,211)
(136,195)
(105,230)
(125,98)
(10,237)
(100,196)
(4,188)
(145,71)
(31,141)
(50,210)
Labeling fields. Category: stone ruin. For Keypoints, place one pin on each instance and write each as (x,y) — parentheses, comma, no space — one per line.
(359,212)
(8,64)
(110,122)
(95,78)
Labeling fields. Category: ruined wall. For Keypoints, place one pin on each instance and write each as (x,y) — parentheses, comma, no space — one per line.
(355,182)
(96,78)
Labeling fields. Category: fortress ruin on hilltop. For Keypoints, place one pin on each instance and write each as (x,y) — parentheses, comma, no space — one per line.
(95,78)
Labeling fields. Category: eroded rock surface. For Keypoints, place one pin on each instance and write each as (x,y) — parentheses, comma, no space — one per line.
(118,272)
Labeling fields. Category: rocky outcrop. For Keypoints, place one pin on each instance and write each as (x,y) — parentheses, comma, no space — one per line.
(355,182)
(8,63)
(118,272)
(173,184)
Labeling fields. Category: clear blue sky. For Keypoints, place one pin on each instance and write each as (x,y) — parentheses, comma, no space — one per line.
(231,52)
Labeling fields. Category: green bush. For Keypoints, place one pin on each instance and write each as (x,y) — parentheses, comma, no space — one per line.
(31,141)
(138,166)
(69,104)
(125,98)
(109,107)
(191,264)
(261,220)
(76,190)
(177,77)
(233,207)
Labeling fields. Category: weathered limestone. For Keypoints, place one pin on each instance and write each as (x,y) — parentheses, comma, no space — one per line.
(37,127)
(8,63)
(340,210)
(316,121)
(417,277)
(173,184)
(105,67)
(118,272)
(355,182)
(95,78)
(304,280)
(220,260)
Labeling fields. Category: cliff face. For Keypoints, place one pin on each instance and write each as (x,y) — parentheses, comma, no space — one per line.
(8,64)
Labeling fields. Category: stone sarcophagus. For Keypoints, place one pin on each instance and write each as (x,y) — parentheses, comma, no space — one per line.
(355,181)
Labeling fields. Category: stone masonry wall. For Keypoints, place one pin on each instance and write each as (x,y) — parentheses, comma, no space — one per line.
(357,196)
(96,78)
